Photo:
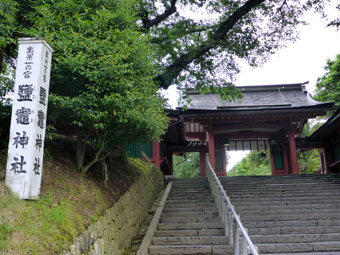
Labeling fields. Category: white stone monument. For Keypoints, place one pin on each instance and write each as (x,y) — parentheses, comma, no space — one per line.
(28,123)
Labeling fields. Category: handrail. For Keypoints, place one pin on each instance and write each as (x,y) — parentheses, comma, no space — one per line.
(238,234)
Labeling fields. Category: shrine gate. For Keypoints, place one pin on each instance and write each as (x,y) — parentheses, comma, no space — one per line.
(268,117)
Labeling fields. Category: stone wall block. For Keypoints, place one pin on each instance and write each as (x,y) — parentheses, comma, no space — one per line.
(99,246)
(113,232)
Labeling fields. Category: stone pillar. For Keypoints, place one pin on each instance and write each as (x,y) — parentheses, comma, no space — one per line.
(292,153)
(28,123)
(202,164)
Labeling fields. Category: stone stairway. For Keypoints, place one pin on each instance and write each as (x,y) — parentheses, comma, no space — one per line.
(289,214)
(190,223)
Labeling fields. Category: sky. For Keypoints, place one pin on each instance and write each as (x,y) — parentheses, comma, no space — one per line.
(301,61)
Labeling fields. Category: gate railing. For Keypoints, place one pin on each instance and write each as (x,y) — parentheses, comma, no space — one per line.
(238,235)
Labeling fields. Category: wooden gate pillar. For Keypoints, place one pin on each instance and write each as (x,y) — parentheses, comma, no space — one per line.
(292,153)
(211,147)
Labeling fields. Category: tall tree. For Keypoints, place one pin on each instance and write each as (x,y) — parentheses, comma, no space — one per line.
(328,86)
(204,50)
(102,75)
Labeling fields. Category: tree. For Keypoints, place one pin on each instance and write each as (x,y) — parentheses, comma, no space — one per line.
(204,52)
(328,86)
(309,161)
(102,75)
(187,166)
(194,52)
(255,163)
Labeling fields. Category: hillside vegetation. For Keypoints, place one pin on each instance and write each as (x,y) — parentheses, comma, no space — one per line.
(69,202)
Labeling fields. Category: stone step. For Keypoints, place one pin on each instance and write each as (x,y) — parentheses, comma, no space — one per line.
(191,214)
(190,249)
(277,182)
(299,247)
(189,201)
(190,192)
(295,238)
(287,223)
(294,230)
(262,189)
(306,253)
(190,205)
(255,199)
(188,226)
(301,203)
(291,217)
(274,186)
(183,210)
(273,195)
(188,197)
(190,240)
(263,209)
(281,178)
(191,219)
(295,212)
(190,232)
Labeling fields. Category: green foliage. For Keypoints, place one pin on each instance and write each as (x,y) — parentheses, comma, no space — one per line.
(102,71)
(252,164)
(309,161)
(106,65)
(187,166)
(328,86)
(205,51)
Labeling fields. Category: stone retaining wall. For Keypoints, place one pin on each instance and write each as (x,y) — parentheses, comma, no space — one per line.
(113,232)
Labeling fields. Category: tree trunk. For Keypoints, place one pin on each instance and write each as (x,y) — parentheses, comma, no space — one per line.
(80,150)
(94,161)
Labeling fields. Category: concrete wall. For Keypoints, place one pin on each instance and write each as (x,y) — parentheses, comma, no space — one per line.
(113,232)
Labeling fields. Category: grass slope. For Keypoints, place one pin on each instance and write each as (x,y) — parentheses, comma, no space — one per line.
(68,203)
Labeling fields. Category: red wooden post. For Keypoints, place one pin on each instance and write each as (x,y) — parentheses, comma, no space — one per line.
(211,144)
(202,164)
(293,157)
(224,160)
(272,159)
(285,158)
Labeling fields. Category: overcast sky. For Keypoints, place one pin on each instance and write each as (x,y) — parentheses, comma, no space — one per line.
(301,61)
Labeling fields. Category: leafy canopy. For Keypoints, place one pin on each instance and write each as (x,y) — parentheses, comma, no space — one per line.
(328,86)
(102,75)
(197,43)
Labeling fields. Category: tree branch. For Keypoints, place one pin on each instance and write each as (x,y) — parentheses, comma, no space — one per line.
(147,23)
(95,160)
(166,78)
